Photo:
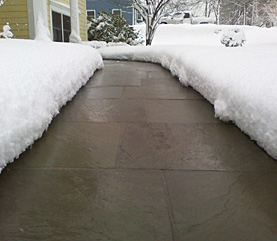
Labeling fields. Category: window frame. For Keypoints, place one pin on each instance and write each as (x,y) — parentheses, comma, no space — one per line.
(62,9)
(62,16)
(92,10)
(118,9)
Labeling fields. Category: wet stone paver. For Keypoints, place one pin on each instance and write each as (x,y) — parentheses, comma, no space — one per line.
(136,156)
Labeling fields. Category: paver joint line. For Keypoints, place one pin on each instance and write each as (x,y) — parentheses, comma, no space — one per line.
(169,209)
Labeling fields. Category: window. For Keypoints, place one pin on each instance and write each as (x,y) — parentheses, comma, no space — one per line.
(61,27)
(117,12)
(91,13)
(187,15)
(139,17)
(66,28)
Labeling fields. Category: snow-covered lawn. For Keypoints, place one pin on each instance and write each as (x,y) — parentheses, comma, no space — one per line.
(36,79)
(241,82)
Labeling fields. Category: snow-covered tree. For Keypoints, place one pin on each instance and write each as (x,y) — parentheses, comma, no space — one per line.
(201,8)
(110,29)
(243,12)
(216,4)
(123,32)
(270,13)
(101,28)
(151,11)
(183,5)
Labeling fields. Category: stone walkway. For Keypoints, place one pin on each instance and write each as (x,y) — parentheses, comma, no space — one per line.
(137,157)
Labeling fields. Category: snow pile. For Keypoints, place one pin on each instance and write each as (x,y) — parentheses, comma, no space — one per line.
(37,79)
(206,34)
(240,82)
(103,44)
(42,32)
(6,32)
(96,44)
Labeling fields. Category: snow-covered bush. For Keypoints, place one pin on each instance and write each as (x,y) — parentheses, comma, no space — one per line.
(233,38)
(110,29)
(141,37)
(101,29)
(6,32)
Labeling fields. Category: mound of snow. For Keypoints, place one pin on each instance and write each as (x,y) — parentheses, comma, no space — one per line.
(240,82)
(37,79)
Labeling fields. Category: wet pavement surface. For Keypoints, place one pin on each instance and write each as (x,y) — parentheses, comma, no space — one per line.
(136,156)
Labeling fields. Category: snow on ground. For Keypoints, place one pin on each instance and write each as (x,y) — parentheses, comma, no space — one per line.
(36,79)
(240,82)
(103,44)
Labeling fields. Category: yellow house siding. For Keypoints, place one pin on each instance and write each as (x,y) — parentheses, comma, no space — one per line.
(83,16)
(83,19)
(15,12)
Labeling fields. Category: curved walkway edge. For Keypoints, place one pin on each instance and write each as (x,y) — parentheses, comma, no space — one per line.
(137,156)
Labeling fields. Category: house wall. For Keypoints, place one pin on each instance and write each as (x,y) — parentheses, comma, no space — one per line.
(108,5)
(83,16)
(15,12)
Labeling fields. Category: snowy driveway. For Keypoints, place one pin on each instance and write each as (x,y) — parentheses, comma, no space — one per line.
(136,156)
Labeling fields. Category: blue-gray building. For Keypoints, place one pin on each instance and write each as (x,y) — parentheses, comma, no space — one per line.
(118,7)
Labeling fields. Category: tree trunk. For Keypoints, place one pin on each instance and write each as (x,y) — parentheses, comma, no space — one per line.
(150,35)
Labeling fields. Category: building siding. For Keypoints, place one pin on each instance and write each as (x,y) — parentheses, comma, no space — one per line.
(15,12)
(108,5)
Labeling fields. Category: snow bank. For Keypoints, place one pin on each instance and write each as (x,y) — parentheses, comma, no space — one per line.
(36,79)
(103,44)
(206,34)
(240,82)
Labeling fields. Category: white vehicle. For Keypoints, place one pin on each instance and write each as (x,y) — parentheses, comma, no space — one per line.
(165,18)
(203,20)
(186,17)
(177,18)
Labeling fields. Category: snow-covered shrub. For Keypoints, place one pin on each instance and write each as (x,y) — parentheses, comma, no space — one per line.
(233,38)
(6,32)
(110,29)
(123,32)
(140,39)
(101,29)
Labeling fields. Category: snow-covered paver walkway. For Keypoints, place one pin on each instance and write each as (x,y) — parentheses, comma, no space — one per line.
(137,156)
